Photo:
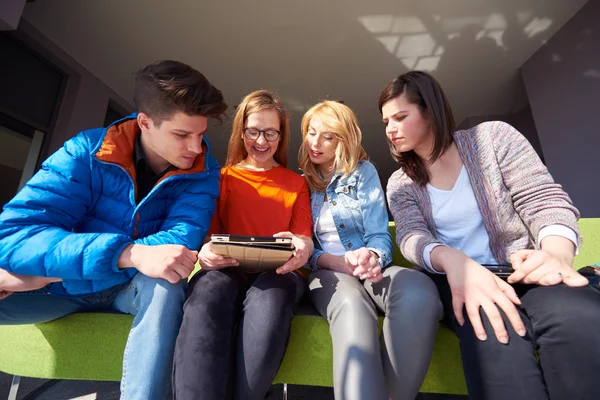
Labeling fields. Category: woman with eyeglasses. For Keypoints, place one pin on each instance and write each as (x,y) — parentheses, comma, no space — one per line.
(354,278)
(470,203)
(236,325)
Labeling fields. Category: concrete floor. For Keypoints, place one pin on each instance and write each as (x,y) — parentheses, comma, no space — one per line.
(42,389)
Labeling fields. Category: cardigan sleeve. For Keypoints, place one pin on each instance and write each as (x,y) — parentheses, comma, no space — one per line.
(412,231)
(538,200)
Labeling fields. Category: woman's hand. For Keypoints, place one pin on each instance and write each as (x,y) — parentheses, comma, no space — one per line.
(360,263)
(364,264)
(539,267)
(473,286)
(209,260)
(303,249)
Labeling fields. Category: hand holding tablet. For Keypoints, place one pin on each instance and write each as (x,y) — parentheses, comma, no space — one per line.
(254,253)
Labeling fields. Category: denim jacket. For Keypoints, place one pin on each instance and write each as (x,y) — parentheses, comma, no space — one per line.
(358,206)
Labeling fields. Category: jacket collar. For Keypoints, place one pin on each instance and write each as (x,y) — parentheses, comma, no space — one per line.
(118,143)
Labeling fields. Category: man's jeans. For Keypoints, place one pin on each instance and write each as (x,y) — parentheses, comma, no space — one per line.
(158,309)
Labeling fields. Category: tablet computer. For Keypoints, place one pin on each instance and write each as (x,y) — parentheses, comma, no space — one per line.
(252,240)
(255,253)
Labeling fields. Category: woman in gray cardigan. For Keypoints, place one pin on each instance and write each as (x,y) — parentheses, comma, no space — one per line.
(470,203)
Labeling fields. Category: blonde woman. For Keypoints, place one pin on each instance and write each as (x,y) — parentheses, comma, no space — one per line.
(353,278)
(259,196)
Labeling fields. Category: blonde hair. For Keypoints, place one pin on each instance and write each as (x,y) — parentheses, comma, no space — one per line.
(254,102)
(341,121)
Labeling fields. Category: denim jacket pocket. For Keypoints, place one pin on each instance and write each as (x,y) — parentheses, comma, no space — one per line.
(348,195)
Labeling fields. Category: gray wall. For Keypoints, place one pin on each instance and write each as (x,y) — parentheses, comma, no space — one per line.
(10,13)
(562,81)
(521,121)
(85,98)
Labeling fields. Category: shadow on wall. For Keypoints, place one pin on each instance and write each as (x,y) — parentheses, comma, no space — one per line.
(313,50)
(521,121)
(563,84)
(441,44)
(394,43)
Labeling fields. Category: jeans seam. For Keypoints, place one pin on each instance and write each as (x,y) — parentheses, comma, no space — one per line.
(132,287)
(124,377)
(135,295)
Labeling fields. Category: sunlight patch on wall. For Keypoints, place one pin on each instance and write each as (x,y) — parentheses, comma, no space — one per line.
(537,26)
(406,38)
(296,105)
(592,73)
(409,39)
(92,396)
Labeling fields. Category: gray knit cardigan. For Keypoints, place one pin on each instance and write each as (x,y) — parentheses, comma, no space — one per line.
(516,195)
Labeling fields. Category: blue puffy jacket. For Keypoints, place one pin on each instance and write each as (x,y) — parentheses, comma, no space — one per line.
(75,216)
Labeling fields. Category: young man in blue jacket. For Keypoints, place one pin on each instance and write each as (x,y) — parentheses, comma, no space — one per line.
(114,219)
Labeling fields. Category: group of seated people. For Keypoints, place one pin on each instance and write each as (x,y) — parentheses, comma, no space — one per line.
(118,218)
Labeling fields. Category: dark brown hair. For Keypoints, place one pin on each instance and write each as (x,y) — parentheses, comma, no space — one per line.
(166,87)
(425,92)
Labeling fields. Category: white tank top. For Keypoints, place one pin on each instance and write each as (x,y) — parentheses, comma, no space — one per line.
(327,232)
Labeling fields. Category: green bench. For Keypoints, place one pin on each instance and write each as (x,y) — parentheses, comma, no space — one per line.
(89,346)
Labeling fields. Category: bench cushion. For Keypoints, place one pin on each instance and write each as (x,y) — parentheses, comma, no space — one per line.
(90,345)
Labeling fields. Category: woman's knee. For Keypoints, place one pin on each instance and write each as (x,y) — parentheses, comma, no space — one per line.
(413,289)
(271,287)
(219,287)
(341,294)
(569,309)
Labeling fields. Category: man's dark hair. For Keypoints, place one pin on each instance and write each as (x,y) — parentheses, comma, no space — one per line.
(166,87)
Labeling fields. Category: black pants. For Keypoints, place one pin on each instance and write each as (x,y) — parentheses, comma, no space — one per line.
(234,334)
(563,326)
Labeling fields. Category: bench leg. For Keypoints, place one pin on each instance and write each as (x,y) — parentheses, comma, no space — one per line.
(285,391)
(14,388)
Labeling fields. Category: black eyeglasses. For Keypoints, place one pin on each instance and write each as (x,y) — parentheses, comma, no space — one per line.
(270,135)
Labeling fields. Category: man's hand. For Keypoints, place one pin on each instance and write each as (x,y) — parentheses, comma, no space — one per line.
(364,264)
(169,261)
(209,260)
(4,294)
(303,249)
(10,282)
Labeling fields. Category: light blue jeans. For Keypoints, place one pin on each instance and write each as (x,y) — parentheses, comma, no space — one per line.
(158,309)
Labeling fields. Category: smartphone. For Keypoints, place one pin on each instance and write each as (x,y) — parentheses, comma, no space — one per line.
(592,273)
(500,270)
